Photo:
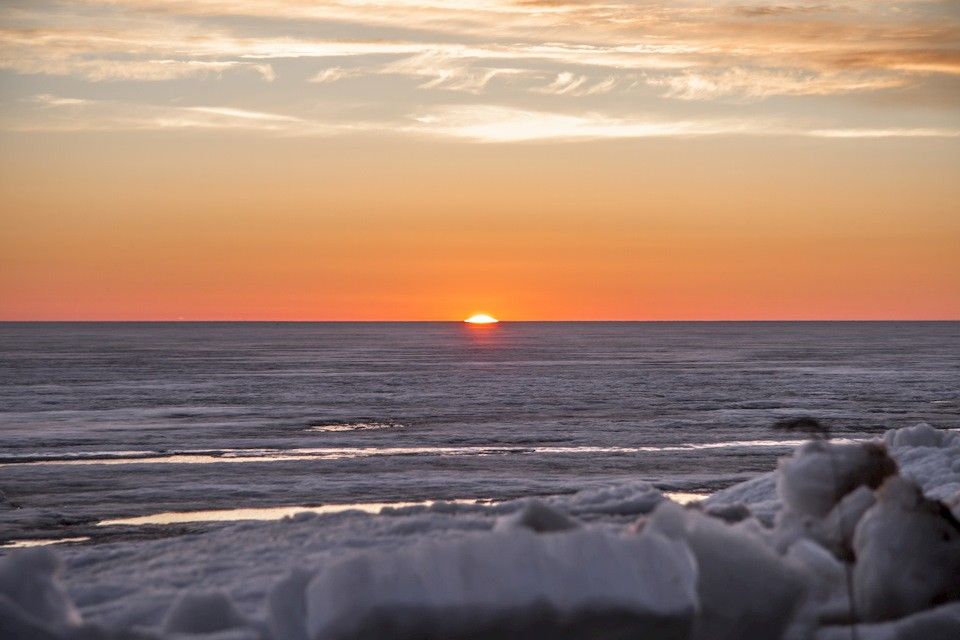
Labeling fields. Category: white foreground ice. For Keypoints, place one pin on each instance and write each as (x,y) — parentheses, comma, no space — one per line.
(839,533)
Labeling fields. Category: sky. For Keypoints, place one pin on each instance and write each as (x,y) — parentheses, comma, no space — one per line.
(430,159)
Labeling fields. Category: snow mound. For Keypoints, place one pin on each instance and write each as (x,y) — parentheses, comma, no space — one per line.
(503,585)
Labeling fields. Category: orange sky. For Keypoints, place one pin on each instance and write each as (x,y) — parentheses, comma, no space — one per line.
(614,230)
(726,166)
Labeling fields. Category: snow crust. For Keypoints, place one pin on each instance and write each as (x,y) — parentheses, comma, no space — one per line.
(776,557)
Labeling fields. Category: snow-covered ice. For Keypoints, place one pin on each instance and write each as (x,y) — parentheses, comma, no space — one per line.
(770,558)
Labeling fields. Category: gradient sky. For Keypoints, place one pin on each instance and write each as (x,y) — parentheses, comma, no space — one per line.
(428,159)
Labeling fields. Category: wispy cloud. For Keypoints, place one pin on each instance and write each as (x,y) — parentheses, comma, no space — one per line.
(151,70)
(576,85)
(451,69)
(565,83)
(50,100)
(757,84)
(241,114)
(481,123)
(487,123)
(76,114)
(333,74)
(518,54)
(885,133)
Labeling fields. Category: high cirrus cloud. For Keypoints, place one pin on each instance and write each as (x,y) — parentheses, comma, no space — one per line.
(524,56)
(471,122)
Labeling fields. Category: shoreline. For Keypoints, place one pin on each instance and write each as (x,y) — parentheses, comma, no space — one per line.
(247,561)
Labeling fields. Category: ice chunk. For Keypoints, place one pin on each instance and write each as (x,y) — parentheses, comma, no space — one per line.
(827,583)
(920,435)
(627,499)
(730,513)
(834,531)
(745,589)
(952,502)
(819,474)
(32,597)
(578,584)
(908,554)
(763,488)
(930,458)
(758,494)
(536,516)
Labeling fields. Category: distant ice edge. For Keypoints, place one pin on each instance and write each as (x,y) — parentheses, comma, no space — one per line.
(769,558)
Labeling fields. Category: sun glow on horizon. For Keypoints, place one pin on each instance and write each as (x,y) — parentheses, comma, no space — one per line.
(481,318)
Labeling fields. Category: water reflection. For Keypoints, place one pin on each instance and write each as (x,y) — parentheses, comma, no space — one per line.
(277,513)
(267,513)
(341,453)
(40,542)
(483,335)
(686,497)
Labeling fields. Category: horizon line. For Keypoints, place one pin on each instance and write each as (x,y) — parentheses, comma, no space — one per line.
(434,321)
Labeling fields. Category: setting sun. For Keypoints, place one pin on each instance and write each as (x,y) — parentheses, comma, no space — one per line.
(481,318)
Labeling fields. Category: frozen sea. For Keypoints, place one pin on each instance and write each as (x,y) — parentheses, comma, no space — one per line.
(105,421)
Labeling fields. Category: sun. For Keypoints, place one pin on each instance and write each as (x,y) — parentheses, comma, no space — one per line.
(481,318)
